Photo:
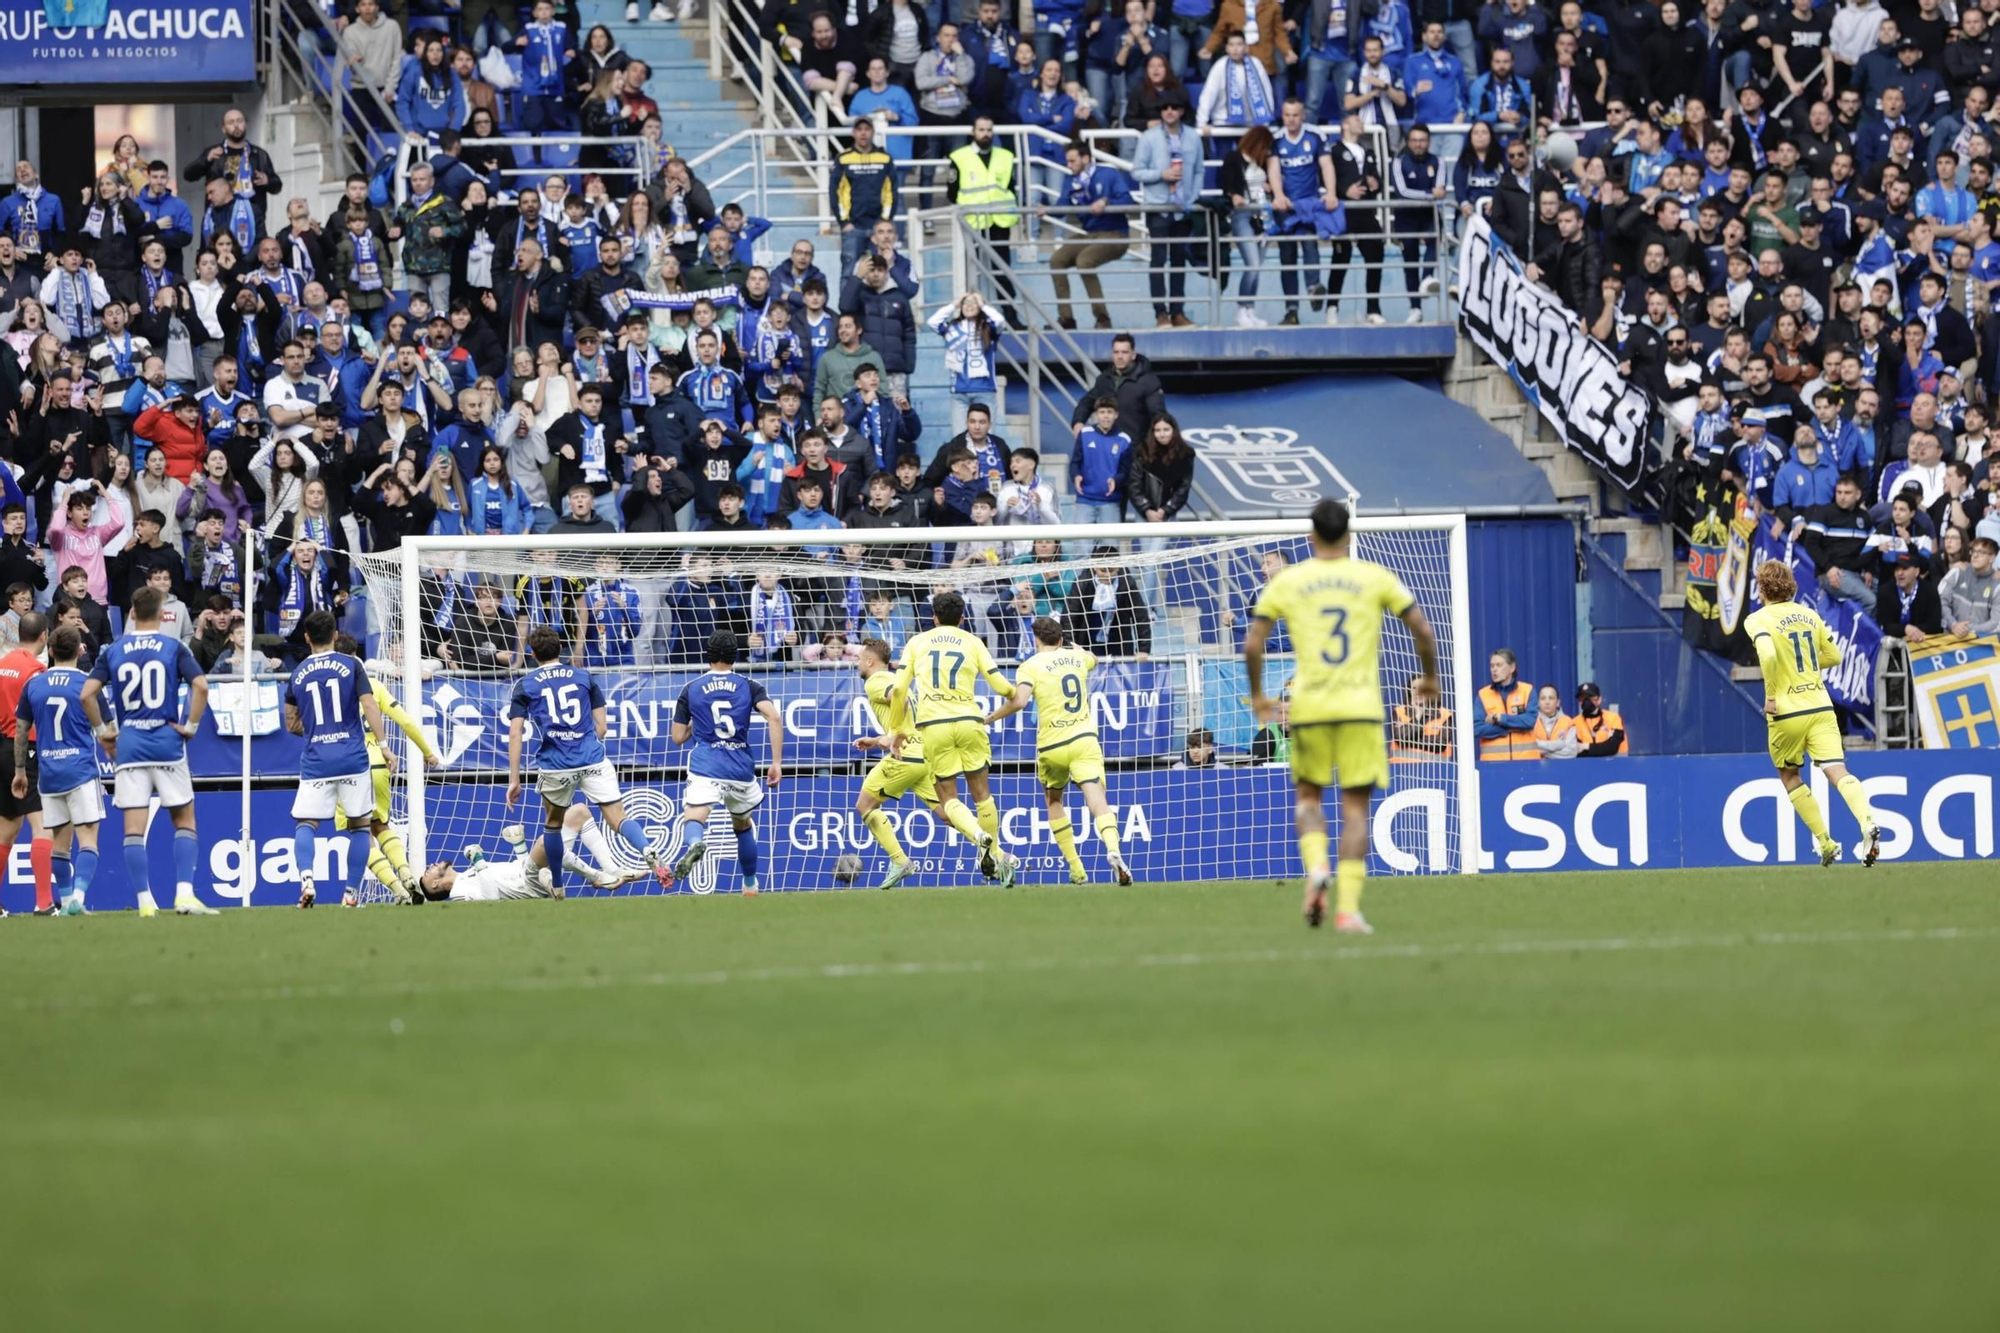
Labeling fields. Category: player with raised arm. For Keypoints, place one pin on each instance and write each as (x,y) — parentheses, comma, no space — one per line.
(946,663)
(386,858)
(331,702)
(893,776)
(72,798)
(714,710)
(143,674)
(566,705)
(526,875)
(1793,646)
(1333,604)
(1057,681)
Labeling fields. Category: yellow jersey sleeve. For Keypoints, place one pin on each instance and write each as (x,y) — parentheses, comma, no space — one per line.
(882,693)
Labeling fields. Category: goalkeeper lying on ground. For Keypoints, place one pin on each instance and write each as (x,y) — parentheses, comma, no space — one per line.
(525,875)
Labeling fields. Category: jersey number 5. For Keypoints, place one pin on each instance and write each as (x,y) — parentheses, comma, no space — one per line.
(722,720)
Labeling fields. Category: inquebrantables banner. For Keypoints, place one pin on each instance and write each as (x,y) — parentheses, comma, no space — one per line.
(1569,375)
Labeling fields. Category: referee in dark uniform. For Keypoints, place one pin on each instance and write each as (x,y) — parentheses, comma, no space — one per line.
(15,669)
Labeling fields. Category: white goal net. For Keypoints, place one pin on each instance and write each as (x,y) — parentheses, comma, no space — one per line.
(1200,789)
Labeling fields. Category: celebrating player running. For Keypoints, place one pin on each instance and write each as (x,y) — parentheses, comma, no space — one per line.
(1793,646)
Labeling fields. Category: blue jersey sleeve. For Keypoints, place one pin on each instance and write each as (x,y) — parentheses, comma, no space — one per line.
(682,713)
(596,695)
(25,710)
(186,667)
(757,692)
(519,705)
(364,688)
(101,670)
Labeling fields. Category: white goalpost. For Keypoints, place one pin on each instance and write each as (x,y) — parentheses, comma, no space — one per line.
(1165,615)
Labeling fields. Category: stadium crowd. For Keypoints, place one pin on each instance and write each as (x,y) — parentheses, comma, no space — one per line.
(557,364)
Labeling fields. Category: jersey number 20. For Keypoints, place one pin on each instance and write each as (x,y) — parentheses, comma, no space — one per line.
(142,685)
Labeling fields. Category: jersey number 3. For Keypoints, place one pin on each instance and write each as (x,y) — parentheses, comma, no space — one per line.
(1336,637)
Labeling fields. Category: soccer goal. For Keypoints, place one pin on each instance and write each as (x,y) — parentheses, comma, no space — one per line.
(1201,790)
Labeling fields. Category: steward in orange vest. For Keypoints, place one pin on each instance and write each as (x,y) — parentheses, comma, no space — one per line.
(1600,730)
(1419,729)
(1506,712)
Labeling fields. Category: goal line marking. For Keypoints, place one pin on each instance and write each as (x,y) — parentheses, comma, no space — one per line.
(1345,953)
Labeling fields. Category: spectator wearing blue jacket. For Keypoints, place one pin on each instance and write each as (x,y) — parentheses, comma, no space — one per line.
(1048,107)
(219,401)
(173,221)
(1841,442)
(1098,464)
(430,98)
(891,103)
(716,391)
(496,505)
(468,436)
(1500,98)
(1518,28)
(761,474)
(890,427)
(1436,82)
(811,516)
(1805,479)
(1168,167)
(1106,227)
(545,53)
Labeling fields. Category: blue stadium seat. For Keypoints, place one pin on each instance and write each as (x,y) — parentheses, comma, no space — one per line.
(429,23)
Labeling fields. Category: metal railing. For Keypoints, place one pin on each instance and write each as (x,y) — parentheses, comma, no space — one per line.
(300,58)
(416,148)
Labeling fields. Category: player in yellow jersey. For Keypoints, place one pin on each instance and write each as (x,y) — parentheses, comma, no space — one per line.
(1334,604)
(946,663)
(385,858)
(1057,681)
(895,775)
(1793,647)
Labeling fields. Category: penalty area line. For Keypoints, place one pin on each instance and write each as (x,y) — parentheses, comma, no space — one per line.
(1344,953)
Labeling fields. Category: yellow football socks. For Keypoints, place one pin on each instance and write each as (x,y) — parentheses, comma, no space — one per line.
(1856,796)
(1066,839)
(379,867)
(1348,878)
(964,821)
(1803,802)
(989,816)
(391,847)
(1312,851)
(877,821)
(1107,829)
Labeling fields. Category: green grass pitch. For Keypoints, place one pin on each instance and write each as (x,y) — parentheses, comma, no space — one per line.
(1658,1101)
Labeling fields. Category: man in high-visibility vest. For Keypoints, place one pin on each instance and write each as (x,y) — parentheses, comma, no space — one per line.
(1506,711)
(983,181)
(1600,730)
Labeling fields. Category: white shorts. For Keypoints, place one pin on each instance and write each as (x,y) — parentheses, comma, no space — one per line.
(738,798)
(79,805)
(353,793)
(597,784)
(136,785)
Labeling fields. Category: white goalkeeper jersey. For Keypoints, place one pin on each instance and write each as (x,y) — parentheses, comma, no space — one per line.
(495,880)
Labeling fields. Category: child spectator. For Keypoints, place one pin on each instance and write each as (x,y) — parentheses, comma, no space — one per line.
(774,622)
(1026,498)
(1107,604)
(77,542)
(809,491)
(1097,466)
(729,512)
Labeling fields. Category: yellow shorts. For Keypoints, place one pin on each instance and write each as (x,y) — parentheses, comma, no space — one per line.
(892,779)
(1803,736)
(1344,754)
(1080,760)
(380,774)
(952,748)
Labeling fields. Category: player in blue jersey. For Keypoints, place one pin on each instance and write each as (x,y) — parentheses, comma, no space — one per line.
(142,674)
(329,701)
(715,711)
(566,706)
(72,796)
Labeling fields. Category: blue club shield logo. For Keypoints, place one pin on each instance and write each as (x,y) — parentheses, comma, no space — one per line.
(76,13)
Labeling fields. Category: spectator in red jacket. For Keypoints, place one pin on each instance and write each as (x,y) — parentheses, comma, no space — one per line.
(176,431)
